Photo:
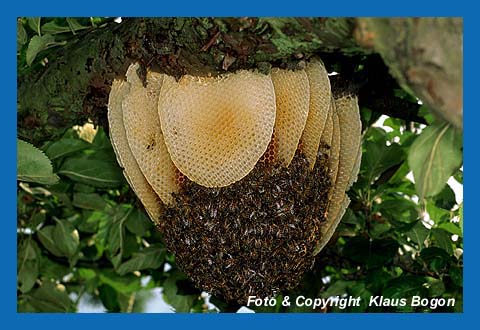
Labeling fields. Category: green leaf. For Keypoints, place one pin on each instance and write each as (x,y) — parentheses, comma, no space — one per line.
(445,199)
(62,25)
(181,303)
(74,25)
(434,157)
(437,214)
(123,284)
(66,237)
(53,27)
(359,289)
(95,21)
(33,165)
(53,270)
(376,134)
(456,274)
(23,306)
(337,288)
(377,278)
(83,188)
(130,245)
(451,227)
(90,221)
(400,174)
(111,232)
(22,37)
(89,201)
(65,146)
(378,230)
(89,277)
(426,113)
(116,238)
(37,44)
(34,24)
(27,265)
(45,235)
(404,286)
(101,140)
(86,273)
(418,234)
(378,158)
(436,287)
(399,209)
(443,240)
(109,298)
(138,223)
(459,176)
(393,123)
(37,219)
(151,257)
(460,216)
(97,173)
(436,258)
(50,298)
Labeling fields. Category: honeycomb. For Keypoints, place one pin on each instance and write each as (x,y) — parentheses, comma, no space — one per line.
(350,143)
(350,139)
(292,95)
(335,146)
(125,158)
(320,94)
(327,135)
(356,168)
(179,178)
(270,155)
(144,134)
(217,128)
(332,223)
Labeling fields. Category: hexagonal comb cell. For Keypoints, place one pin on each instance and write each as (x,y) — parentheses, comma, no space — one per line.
(320,95)
(131,170)
(270,155)
(349,157)
(217,128)
(292,94)
(144,133)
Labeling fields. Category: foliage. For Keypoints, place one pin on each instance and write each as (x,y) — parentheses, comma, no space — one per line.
(33,165)
(434,156)
(80,237)
(37,34)
(87,234)
(83,235)
(386,245)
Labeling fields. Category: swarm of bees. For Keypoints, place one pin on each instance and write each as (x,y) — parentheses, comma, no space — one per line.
(244,173)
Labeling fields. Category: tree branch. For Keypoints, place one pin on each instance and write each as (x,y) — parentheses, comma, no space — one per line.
(425,55)
(75,84)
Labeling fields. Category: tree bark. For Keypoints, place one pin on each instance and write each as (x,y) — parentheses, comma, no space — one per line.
(425,55)
(75,84)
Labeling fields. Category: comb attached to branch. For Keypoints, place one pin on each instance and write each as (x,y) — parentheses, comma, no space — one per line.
(229,167)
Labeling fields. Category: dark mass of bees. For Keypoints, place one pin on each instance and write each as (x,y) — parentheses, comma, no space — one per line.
(254,237)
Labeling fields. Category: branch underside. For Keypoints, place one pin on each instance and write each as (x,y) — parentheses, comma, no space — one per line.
(75,84)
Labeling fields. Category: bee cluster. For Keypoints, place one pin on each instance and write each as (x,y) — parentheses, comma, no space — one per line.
(254,237)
